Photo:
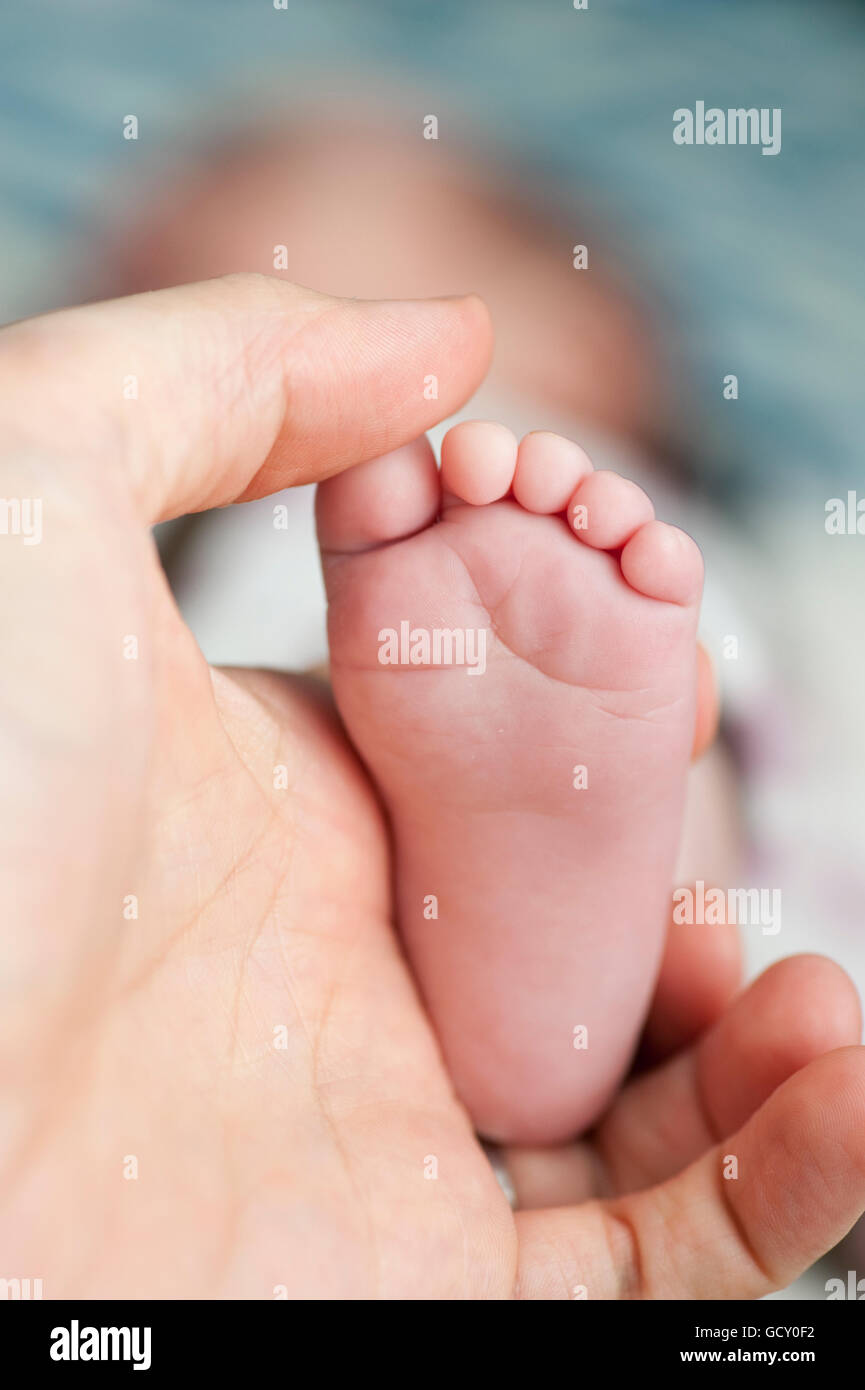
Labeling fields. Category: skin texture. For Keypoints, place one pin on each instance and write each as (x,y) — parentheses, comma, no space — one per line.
(552,902)
(153,1036)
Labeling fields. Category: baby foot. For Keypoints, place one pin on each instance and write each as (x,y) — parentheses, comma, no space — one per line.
(513,652)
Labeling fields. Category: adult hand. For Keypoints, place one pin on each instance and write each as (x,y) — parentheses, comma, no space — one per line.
(728,1166)
(215,1075)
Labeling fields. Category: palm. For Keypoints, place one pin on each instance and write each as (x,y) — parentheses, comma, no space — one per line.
(248,1058)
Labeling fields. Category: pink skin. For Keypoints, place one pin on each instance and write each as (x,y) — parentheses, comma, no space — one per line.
(552,901)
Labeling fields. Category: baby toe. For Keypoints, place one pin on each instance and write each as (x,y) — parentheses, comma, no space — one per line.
(664,563)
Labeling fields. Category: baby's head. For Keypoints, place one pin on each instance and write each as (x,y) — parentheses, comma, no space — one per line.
(369,207)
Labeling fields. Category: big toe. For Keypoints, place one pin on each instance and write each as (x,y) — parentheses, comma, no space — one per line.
(384,500)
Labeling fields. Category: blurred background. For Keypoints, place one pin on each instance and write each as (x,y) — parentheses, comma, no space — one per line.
(294,141)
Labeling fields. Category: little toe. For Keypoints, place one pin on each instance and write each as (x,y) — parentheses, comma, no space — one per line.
(549,468)
(664,563)
(382,500)
(607,509)
(478,461)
